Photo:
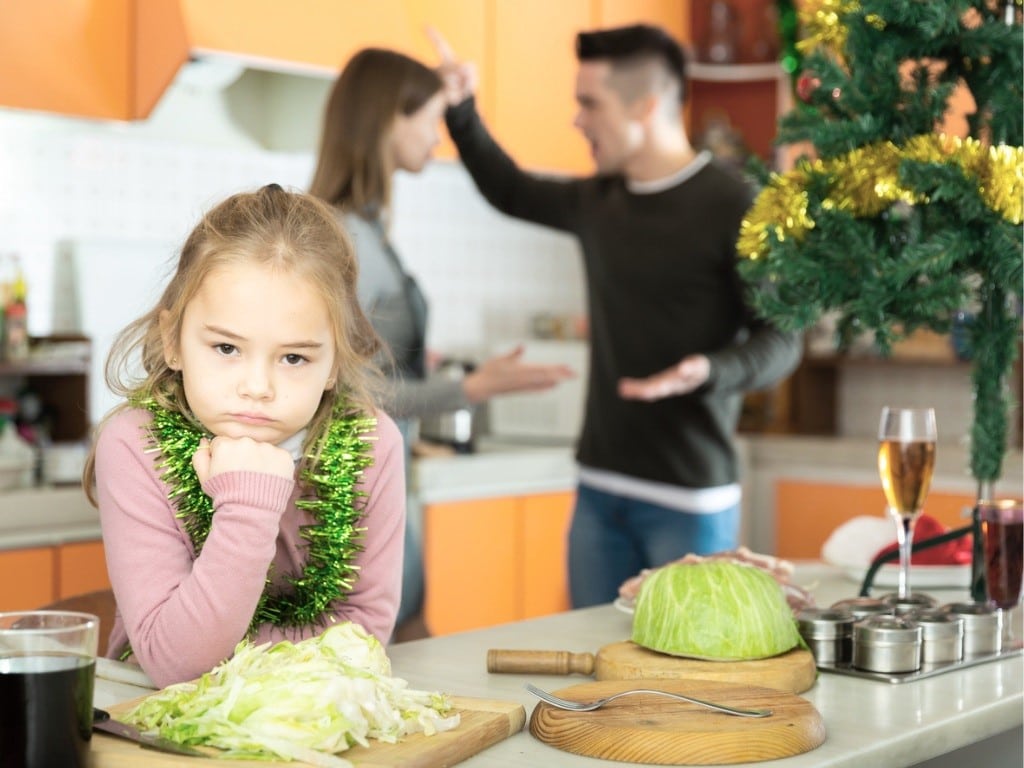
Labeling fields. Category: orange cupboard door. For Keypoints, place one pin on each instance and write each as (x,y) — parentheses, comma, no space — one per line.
(26,578)
(534,81)
(672,15)
(324,34)
(93,58)
(470,551)
(81,567)
(545,576)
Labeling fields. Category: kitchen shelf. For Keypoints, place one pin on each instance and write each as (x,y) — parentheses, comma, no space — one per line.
(734,73)
(60,381)
(76,366)
(875,361)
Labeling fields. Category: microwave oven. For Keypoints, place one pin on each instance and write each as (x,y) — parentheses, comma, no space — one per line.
(555,414)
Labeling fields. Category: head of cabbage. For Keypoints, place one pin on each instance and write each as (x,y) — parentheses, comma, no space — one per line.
(714,610)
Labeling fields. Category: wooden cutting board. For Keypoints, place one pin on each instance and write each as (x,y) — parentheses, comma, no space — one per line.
(484,722)
(657,730)
(791,672)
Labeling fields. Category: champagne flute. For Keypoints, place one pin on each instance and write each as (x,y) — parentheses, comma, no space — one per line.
(906,461)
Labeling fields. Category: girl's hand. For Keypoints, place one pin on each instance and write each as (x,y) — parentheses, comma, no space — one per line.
(240,454)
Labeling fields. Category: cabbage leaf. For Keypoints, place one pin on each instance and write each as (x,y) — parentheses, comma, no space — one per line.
(296,701)
(720,611)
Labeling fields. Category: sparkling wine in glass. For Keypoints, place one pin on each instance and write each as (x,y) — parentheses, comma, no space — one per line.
(906,461)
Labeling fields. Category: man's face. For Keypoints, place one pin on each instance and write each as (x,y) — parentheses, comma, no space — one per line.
(611,127)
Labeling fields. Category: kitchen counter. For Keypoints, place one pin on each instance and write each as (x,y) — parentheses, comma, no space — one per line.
(497,468)
(44,517)
(975,713)
(49,516)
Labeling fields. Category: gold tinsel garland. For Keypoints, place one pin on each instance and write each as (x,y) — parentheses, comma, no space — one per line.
(865,182)
(821,22)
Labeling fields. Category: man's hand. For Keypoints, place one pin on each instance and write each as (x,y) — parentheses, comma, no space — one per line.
(459,77)
(238,454)
(683,377)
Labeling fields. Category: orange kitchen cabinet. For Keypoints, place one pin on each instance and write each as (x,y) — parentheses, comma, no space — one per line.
(321,35)
(471,559)
(544,558)
(91,58)
(27,578)
(81,567)
(673,15)
(533,71)
(533,82)
(807,513)
(492,561)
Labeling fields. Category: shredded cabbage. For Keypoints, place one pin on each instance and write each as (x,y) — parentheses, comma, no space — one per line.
(719,611)
(296,701)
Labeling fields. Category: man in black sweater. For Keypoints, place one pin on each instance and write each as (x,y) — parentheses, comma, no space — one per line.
(673,344)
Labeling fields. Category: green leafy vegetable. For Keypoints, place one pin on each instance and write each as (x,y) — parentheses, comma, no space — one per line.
(714,610)
(296,701)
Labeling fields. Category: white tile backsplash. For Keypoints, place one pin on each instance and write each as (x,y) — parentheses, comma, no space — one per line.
(864,390)
(94,182)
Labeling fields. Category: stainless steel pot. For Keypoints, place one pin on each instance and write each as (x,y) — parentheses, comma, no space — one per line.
(454,428)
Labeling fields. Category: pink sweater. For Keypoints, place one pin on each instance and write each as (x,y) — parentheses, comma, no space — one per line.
(183,614)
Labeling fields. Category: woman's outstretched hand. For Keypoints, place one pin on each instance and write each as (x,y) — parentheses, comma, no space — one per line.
(460,77)
(508,373)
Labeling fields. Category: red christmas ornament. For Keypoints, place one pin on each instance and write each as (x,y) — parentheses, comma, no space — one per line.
(806,85)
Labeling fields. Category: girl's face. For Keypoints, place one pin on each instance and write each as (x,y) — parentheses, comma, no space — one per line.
(413,137)
(256,352)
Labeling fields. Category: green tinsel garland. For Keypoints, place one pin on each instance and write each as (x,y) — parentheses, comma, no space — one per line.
(334,541)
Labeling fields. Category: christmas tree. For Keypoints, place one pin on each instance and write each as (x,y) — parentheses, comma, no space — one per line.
(890,224)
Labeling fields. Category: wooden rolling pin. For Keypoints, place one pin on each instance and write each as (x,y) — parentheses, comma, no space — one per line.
(540,662)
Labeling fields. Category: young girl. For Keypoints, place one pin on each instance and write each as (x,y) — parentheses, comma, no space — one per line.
(248,486)
(382,116)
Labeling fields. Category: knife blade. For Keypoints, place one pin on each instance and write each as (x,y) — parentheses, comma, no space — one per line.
(102,721)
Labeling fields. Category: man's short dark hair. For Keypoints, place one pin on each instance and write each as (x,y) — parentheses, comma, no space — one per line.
(633,44)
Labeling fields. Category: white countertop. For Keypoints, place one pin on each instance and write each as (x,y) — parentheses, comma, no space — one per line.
(496,469)
(44,517)
(51,516)
(869,723)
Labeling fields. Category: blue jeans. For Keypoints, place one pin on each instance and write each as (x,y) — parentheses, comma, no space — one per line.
(613,538)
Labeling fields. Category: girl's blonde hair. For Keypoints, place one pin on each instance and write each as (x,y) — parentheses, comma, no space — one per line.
(272,227)
(354,165)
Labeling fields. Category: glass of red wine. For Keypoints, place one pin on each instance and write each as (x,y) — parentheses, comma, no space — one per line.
(1002,530)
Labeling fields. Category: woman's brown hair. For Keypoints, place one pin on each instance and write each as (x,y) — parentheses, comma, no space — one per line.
(354,166)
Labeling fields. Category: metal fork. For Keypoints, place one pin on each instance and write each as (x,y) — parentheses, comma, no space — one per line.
(578,706)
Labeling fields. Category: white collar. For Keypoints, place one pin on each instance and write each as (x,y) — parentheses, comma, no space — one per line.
(293,444)
(667,182)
